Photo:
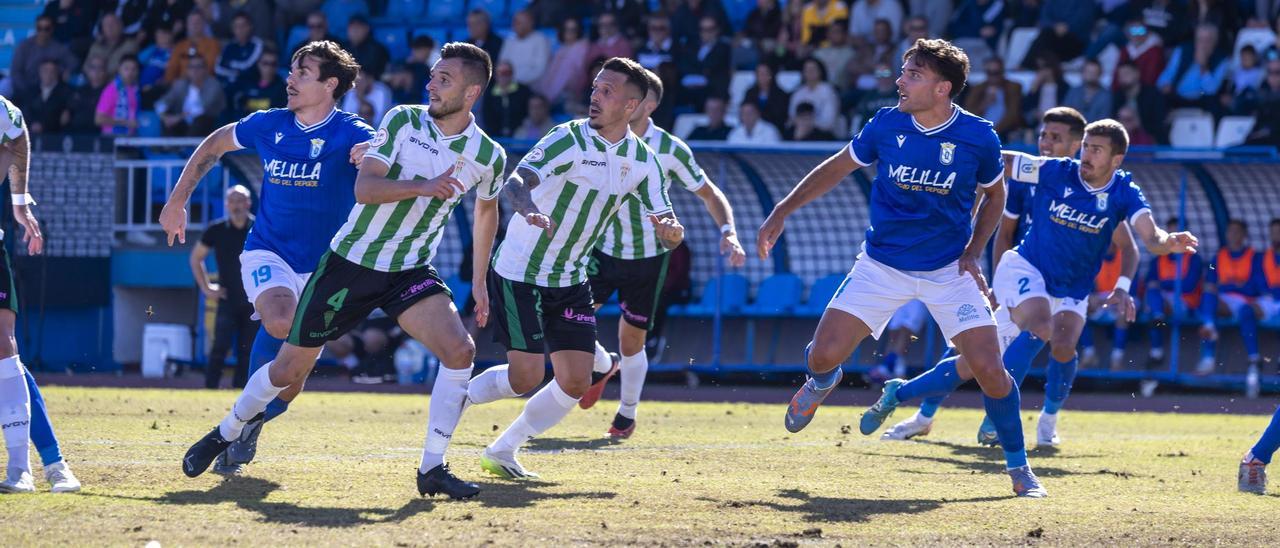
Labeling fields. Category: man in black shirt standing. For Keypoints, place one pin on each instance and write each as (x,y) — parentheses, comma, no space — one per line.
(226,238)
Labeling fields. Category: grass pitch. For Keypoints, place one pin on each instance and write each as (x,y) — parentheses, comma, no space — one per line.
(338,469)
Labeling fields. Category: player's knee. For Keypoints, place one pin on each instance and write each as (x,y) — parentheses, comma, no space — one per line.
(459,354)
(825,357)
(7,347)
(523,382)
(574,388)
(1062,352)
(278,327)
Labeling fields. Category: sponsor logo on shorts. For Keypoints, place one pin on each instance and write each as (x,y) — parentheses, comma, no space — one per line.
(967,313)
(578,317)
(417,288)
(14,424)
(321,334)
(632,315)
(441,433)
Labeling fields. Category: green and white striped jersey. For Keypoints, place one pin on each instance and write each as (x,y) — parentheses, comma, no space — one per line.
(584,181)
(630,235)
(11,123)
(404,235)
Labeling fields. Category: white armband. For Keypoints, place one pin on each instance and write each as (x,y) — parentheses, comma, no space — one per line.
(22,199)
(1123,283)
(726,229)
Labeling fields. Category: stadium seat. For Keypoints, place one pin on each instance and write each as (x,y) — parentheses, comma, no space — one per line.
(819,295)
(1194,131)
(21,15)
(738,86)
(439,34)
(404,11)
(497,9)
(1232,131)
(148,123)
(1259,38)
(789,80)
(776,296)
(738,10)
(396,38)
(443,11)
(686,123)
(296,35)
(517,5)
(1020,40)
(732,297)
(339,12)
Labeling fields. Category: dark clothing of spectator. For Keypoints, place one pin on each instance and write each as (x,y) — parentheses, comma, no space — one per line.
(653,55)
(708,133)
(27,57)
(250,93)
(234,312)
(774,108)
(1150,105)
(45,108)
(491,44)
(972,15)
(84,110)
(237,57)
(1168,18)
(1223,14)
(705,71)
(1078,18)
(73,25)
(629,14)
(685,20)
(372,56)
(550,13)
(169,13)
(874,100)
(198,123)
(132,14)
(815,134)
(763,25)
(1267,129)
(505,108)
(226,241)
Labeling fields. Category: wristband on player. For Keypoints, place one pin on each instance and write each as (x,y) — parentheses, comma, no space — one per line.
(726,229)
(22,199)
(1123,283)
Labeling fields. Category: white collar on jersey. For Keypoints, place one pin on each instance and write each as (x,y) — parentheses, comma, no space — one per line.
(591,133)
(315,125)
(650,131)
(955,113)
(466,131)
(1088,187)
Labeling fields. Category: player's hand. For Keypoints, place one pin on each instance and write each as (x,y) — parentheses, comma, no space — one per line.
(31,234)
(214,291)
(769,233)
(992,303)
(1121,303)
(173,219)
(1183,242)
(481,294)
(667,229)
(357,152)
(969,265)
(539,220)
(730,246)
(443,186)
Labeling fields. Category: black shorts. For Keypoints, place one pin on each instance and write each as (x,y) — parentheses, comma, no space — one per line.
(341,294)
(527,317)
(8,290)
(637,281)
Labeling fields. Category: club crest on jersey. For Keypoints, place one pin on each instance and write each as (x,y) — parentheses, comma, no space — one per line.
(379,138)
(279,136)
(316,145)
(1102,201)
(901,139)
(534,155)
(626,168)
(948,154)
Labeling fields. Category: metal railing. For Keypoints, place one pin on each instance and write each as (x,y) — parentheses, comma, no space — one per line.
(140,178)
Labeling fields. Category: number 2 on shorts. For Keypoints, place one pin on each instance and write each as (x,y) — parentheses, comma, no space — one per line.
(1022,285)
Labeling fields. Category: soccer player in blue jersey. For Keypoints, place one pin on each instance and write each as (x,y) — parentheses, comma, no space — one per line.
(309,153)
(935,163)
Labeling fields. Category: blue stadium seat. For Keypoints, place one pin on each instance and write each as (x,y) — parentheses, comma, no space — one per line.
(296,35)
(819,295)
(776,296)
(733,298)
(444,11)
(517,5)
(497,9)
(340,11)
(21,15)
(404,11)
(148,123)
(439,34)
(461,292)
(738,10)
(396,38)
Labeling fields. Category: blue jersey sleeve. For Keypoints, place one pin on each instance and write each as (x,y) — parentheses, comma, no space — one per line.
(1137,205)
(990,162)
(1017,202)
(248,127)
(863,146)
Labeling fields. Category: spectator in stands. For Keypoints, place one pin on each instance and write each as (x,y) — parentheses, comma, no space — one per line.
(480,33)
(1233,282)
(915,28)
(1223,15)
(1246,83)
(804,128)
(997,99)
(751,129)
(1144,49)
(628,17)
(112,44)
(659,46)
(1064,31)
(817,16)
(1103,284)
(234,313)
(73,22)
(979,19)
(84,99)
(33,52)
(1048,90)
(198,42)
(565,76)
(368,51)
(526,49)
(46,107)
(423,55)
(133,14)
(1266,131)
(399,79)
(610,42)
(155,59)
(1195,72)
(1270,301)
(1146,100)
(242,52)
(261,88)
(705,68)
(1167,18)
(865,13)
(773,103)
(507,102)
(1162,278)
(290,12)
(371,91)
(1089,97)
(117,110)
(885,94)
(763,24)
(218,15)
(686,21)
(816,91)
(1138,136)
(936,16)
(1110,27)
(194,103)
(317,30)
(715,129)
(170,13)
(538,122)
(836,54)
(550,13)
(1024,13)
(882,42)
(260,17)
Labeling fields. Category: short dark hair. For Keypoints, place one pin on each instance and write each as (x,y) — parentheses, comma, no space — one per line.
(1174,220)
(127,58)
(655,84)
(822,69)
(423,41)
(950,62)
(1071,117)
(632,70)
(1112,130)
(335,62)
(1275,221)
(1240,223)
(475,61)
(242,15)
(804,107)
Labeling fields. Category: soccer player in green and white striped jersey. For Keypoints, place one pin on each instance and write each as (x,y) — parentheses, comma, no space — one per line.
(565,192)
(421,162)
(632,261)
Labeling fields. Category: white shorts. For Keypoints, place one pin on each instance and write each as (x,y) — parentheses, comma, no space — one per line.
(1234,302)
(873,292)
(911,316)
(1005,328)
(261,270)
(1270,307)
(1016,280)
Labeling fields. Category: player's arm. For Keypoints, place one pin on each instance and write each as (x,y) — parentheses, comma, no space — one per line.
(1157,240)
(819,181)
(992,199)
(15,158)
(484,229)
(519,188)
(373,186)
(198,254)
(717,205)
(1120,300)
(1021,167)
(173,218)
(668,229)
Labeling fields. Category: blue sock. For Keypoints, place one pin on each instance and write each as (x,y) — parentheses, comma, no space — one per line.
(1208,307)
(1121,338)
(264,349)
(822,380)
(42,436)
(274,409)
(1269,441)
(1157,338)
(1006,416)
(1059,377)
(1249,332)
(890,360)
(929,407)
(942,380)
(1020,353)
(1208,349)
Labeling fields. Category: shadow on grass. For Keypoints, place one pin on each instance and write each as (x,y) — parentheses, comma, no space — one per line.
(527,492)
(824,509)
(550,445)
(993,463)
(975,450)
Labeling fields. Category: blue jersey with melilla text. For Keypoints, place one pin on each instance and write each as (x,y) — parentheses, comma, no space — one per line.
(308,181)
(925,185)
(1071,224)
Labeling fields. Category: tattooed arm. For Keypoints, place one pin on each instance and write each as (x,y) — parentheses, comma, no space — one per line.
(173,218)
(16,155)
(519,189)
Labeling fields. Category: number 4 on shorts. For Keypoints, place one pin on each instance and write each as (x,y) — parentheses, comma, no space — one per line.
(337,299)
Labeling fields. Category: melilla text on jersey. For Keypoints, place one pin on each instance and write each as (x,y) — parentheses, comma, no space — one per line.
(1072,218)
(297,174)
(922,180)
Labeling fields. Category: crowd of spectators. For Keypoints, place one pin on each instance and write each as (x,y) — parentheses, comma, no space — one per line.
(97,66)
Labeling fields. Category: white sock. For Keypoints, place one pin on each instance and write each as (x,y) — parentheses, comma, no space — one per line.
(546,408)
(603,362)
(15,414)
(491,385)
(443,413)
(258,392)
(633,370)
